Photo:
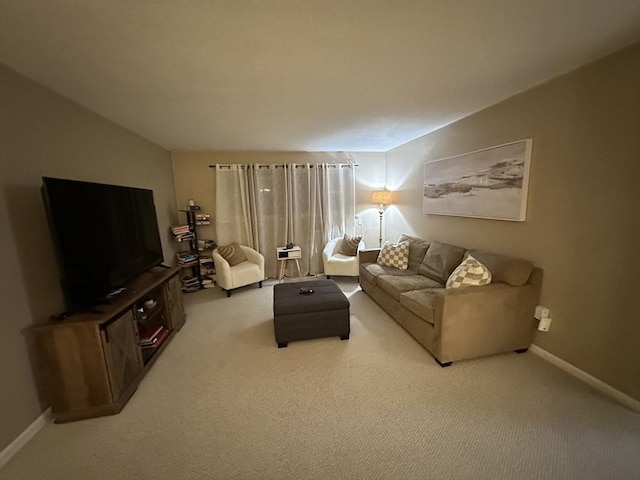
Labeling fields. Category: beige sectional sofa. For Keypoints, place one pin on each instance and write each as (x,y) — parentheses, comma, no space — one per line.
(456,323)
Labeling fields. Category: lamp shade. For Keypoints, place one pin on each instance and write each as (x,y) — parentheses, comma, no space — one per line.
(381,197)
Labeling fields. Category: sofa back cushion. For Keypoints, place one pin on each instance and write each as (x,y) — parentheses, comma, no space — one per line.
(417,250)
(440,261)
(510,270)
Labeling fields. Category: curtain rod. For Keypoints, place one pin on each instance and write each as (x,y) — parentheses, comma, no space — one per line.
(287,166)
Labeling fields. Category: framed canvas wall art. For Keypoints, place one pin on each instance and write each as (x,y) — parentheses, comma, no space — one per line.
(489,183)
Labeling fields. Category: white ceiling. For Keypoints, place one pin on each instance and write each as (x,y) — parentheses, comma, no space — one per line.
(302,75)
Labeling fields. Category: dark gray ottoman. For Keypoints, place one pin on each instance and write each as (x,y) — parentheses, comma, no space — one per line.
(324,313)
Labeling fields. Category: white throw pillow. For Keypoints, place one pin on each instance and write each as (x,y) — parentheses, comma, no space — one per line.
(394,255)
(470,273)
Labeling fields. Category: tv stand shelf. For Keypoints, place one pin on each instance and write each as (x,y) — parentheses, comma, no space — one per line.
(91,363)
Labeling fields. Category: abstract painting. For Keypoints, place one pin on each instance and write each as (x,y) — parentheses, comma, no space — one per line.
(490,183)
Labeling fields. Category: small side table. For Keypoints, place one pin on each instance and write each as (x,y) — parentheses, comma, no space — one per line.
(285,254)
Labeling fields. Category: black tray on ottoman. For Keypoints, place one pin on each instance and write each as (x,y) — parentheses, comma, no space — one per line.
(301,316)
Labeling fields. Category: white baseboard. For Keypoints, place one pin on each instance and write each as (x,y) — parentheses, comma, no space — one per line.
(30,432)
(599,385)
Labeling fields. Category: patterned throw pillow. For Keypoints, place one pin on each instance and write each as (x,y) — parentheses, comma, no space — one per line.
(470,273)
(349,245)
(396,256)
(232,253)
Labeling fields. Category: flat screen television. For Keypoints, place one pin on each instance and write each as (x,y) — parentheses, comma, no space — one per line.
(104,236)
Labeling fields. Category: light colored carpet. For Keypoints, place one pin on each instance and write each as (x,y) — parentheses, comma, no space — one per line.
(223,402)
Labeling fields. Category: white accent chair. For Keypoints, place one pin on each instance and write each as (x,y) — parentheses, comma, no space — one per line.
(245,273)
(338,264)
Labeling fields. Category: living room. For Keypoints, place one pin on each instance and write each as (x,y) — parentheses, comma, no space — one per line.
(581,222)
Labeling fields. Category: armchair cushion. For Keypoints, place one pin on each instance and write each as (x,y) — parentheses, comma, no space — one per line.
(232,253)
(349,245)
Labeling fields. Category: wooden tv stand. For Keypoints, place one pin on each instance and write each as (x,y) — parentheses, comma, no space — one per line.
(90,364)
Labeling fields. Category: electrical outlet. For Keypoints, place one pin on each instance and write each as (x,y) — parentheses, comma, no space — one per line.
(541,312)
(544,324)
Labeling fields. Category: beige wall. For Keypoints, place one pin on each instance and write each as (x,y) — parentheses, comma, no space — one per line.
(42,133)
(194,179)
(583,222)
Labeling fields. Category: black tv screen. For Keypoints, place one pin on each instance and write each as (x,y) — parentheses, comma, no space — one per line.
(104,235)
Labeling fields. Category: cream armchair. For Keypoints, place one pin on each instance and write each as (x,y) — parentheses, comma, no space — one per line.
(250,271)
(336,263)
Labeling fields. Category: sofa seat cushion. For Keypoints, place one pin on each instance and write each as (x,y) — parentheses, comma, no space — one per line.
(422,303)
(394,285)
(371,272)
(510,270)
(440,261)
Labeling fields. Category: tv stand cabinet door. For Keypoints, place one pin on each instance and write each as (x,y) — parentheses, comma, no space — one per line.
(122,353)
(70,369)
(173,297)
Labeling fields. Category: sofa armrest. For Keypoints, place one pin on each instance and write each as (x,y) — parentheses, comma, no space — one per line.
(368,255)
(478,321)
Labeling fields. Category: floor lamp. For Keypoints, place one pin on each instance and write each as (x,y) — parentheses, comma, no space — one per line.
(382,198)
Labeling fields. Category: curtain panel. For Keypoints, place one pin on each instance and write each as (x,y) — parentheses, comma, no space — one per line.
(268,206)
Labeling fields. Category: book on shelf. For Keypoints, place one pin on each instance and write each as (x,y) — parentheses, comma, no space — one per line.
(157,341)
(184,237)
(176,229)
(191,286)
(191,289)
(149,335)
(189,264)
(190,281)
(182,233)
(203,219)
(206,244)
(187,258)
(148,343)
(207,266)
